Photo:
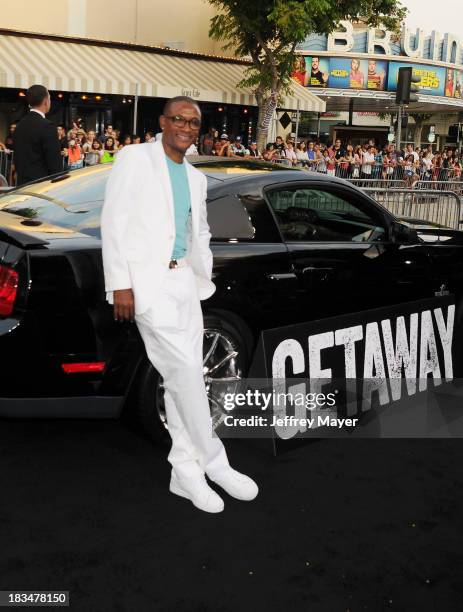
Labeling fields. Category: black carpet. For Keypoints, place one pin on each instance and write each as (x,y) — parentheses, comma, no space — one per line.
(338,525)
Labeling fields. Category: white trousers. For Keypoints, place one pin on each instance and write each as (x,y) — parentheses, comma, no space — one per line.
(172,331)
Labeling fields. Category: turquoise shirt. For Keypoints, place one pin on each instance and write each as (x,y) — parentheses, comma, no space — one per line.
(181,195)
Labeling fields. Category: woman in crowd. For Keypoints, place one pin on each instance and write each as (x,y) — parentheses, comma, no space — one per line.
(389,164)
(347,166)
(109,150)
(75,155)
(437,163)
(410,167)
(330,160)
(127,140)
(301,154)
(290,154)
(93,156)
(88,141)
(449,165)
(217,146)
(319,162)
(456,167)
(270,154)
(426,166)
(358,160)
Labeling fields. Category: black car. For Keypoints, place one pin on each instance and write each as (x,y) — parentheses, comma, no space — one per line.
(289,246)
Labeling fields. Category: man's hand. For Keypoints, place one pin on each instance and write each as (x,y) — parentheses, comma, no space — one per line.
(124,305)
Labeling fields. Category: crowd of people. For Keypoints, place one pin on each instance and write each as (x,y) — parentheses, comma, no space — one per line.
(87,148)
(366,161)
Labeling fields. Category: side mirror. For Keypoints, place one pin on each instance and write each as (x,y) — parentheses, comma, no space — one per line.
(403,234)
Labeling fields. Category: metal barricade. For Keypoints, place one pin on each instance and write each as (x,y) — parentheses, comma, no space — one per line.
(443,207)
(417,184)
(388,174)
(6,167)
(282,161)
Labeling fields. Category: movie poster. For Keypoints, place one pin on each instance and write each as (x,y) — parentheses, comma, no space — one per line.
(358,73)
(374,75)
(458,79)
(432,78)
(301,72)
(318,71)
(453,83)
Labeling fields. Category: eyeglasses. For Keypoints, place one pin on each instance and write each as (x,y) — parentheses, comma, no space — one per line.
(179,121)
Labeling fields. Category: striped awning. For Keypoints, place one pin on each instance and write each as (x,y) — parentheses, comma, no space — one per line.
(62,65)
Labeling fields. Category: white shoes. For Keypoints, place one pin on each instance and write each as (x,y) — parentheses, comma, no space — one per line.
(237,485)
(203,497)
(198,492)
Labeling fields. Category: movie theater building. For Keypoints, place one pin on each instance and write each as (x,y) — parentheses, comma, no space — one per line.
(355,70)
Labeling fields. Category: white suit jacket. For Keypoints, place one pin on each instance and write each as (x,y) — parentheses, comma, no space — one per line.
(138,225)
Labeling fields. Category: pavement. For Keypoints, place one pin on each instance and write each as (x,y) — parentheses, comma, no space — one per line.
(339,525)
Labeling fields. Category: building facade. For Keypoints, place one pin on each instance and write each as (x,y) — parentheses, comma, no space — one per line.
(143,25)
(143,22)
(356,68)
(126,84)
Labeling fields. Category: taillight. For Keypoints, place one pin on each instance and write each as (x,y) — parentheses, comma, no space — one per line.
(8,290)
(83,368)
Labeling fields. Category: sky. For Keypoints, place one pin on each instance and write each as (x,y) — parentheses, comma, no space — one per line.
(443,15)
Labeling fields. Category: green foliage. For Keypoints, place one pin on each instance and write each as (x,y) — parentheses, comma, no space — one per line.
(269,31)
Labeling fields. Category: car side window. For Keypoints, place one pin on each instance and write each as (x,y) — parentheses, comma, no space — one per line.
(306,214)
(228,219)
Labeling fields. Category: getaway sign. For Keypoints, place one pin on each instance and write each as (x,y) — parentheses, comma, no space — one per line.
(370,359)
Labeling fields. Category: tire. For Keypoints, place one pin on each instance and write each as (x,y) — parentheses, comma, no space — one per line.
(227,341)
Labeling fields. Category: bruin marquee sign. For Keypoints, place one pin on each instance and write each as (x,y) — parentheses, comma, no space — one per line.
(416,44)
(378,355)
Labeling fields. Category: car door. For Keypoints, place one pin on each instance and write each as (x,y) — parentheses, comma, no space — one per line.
(343,250)
(252,266)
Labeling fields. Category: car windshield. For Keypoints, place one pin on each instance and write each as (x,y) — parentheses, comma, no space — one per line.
(72,201)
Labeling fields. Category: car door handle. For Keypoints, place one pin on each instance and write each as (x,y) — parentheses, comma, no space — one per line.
(310,269)
(314,274)
(281,276)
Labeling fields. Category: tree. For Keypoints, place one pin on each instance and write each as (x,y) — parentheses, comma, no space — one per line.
(419,119)
(269,30)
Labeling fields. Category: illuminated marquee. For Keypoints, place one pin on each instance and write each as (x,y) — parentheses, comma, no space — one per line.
(374,74)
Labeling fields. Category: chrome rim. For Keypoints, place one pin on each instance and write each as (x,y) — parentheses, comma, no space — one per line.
(222,370)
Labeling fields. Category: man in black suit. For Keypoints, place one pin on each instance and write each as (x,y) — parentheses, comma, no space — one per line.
(36,146)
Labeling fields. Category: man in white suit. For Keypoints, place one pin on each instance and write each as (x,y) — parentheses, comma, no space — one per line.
(158,266)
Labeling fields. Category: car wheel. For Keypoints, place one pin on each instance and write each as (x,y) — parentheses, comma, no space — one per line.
(226,357)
